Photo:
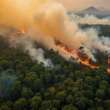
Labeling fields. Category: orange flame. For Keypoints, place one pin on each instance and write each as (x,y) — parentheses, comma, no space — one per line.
(108,69)
(86,62)
(74,54)
(22,30)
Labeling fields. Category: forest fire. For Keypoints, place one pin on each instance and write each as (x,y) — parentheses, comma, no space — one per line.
(46,22)
(87,62)
(65,51)
(108,68)
(76,55)
(22,31)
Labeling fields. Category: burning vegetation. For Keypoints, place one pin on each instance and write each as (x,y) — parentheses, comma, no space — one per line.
(78,55)
(47,23)
(108,69)
(34,79)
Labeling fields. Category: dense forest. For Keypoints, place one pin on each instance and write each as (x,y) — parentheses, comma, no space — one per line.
(27,85)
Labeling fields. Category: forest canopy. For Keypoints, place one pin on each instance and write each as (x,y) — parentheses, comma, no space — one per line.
(28,85)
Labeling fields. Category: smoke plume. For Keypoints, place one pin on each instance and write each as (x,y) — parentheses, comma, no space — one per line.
(90,19)
(35,53)
(46,22)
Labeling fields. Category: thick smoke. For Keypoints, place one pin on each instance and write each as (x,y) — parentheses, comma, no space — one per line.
(47,22)
(90,19)
(35,53)
(21,40)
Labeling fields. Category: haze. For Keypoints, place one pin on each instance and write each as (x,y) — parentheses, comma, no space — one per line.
(81,4)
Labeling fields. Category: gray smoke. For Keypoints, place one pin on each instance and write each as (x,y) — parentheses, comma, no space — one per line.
(90,19)
(47,22)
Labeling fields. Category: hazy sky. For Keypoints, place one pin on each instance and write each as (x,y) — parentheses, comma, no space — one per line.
(81,4)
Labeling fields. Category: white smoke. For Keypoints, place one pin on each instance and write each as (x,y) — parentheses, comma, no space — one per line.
(90,19)
(18,39)
(35,53)
(47,23)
